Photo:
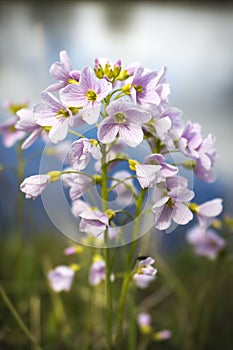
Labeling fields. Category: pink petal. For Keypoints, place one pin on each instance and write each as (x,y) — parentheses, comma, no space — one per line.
(108,130)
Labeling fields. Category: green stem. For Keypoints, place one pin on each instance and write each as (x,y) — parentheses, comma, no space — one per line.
(127,277)
(20,176)
(76,134)
(18,319)
(104,183)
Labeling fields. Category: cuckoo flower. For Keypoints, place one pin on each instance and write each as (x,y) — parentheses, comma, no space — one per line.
(62,71)
(26,122)
(154,170)
(144,322)
(145,273)
(93,221)
(207,156)
(52,113)
(81,151)
(88,94)
(10,134)
(207,212)
(205,243)
(34,185)
(124,189)
(202,151)
(173,204)
(61,278)
(97,271)
(124,120)
(169,126)
(149,88)
(164,334)
(78,183)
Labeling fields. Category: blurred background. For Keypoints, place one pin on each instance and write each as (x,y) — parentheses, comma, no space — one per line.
(195,42)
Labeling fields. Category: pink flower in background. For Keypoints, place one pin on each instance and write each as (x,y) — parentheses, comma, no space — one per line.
(81,152)
(97,272)
(61,278)
(144,322)
(10,134)
(124,190)
(34,185)
(145,273)
(207,212)
(205,243)
(27,123)
(60,150)
(124,120)
(164,334)
(78,183)
(62,71)
(87,94)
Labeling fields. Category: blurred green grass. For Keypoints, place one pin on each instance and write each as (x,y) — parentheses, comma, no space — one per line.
(191,296)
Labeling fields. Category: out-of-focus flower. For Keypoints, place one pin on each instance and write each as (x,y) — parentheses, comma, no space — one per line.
(207,243)
(97,271)
(164,334)
(78,183)
(124,120)
(81,151)
(11,135)
(144,322)
(145,273)
(87,94)
(207,211)
(60,151)
(61,278)
(124,188)
(75,249)
(62,71)
(174,204)
(27,123)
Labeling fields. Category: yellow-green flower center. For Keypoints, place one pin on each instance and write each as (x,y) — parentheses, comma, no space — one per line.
(171,202)
(138,88)
(120,117)
(91,95)
(11,128)
(62,113)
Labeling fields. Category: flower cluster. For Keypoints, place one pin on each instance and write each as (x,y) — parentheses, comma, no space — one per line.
(128,106)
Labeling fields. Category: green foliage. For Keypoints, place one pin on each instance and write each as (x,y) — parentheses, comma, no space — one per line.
(191,296)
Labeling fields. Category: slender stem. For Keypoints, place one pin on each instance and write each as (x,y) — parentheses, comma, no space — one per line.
(88,326)
(20,175)
(18,319)
(76,172)
(76,133)
(104,183)
(128,274)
